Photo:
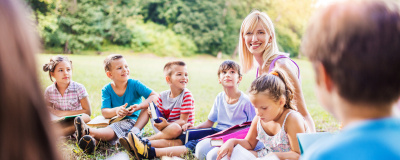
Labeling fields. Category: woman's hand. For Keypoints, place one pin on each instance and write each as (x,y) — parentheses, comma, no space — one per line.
(226,149)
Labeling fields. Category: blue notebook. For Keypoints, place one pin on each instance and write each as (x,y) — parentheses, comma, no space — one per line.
(308,139)
(193,134)
(155,112)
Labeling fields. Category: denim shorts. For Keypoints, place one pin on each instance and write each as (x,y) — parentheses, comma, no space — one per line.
(191,145)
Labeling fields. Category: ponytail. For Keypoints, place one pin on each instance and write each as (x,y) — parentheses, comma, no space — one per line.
(275,84)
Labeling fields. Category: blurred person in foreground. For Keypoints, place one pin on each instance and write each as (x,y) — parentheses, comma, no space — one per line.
(24,120)
(354,49)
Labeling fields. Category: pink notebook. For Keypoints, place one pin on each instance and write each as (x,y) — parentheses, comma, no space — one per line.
(232,129)
(237,131)
(238,135)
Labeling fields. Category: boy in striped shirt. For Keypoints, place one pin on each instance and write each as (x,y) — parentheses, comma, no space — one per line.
(176,105)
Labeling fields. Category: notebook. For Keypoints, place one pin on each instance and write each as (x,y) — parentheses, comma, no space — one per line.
(55,118)
(155,112)
(193,134)
(218,141)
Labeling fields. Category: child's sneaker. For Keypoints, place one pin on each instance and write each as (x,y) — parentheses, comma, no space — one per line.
(87,144)
(80,127)
(137,147)
(125,143)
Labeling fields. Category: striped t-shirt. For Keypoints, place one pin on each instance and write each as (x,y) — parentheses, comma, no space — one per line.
(172,108)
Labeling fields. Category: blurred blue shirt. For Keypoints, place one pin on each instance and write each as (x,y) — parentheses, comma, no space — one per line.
(366,140)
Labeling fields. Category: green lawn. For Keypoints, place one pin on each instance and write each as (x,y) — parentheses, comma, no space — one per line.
(203,83)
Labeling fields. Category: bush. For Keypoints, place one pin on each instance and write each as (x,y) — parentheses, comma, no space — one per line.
(161,41)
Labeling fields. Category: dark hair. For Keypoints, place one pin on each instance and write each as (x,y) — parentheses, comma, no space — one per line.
(357,42)
(228,64)
(168,67)
(109,59)
(275,85)
(26,131)
(54,61)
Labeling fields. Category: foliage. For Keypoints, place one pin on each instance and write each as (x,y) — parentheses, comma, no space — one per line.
(201,20)
(86,24)
(162,41)
(289,18)
(212,25)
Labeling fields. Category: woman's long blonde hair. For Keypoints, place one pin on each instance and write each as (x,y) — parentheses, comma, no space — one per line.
(249,24)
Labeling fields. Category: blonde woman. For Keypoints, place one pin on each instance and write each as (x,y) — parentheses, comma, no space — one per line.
(258,46)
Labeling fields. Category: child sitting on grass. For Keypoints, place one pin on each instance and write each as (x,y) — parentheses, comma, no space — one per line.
(354,48)
(116,96)
(231,107)
(277,121)
(65,97)
(176,104)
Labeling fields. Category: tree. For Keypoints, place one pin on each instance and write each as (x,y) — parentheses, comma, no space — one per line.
(86,24)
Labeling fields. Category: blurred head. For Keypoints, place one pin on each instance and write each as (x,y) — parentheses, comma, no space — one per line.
(176,74)
(271,94)
(116,68)
(24,120)
(60,68)
(354,47)
(229,74)
(256,37)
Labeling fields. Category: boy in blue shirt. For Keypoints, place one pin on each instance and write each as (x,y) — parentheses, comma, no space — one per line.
(354,48)
(122,97)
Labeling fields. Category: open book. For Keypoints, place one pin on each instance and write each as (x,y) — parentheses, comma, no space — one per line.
(55,118)
(193,134)
(155,112)
(100,121)
(240,153)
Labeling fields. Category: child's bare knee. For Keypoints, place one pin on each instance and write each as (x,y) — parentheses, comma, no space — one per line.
(175,129)
(85,117)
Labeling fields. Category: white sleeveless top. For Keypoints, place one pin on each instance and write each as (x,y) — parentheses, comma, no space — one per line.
(276,143)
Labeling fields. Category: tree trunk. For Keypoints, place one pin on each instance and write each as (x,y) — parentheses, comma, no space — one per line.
(235,52)
(219,55)
(66,50)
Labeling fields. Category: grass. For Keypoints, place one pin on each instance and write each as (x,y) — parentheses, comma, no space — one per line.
(203,83)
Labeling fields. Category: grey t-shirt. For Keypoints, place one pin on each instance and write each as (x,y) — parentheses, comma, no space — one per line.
(227,115)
